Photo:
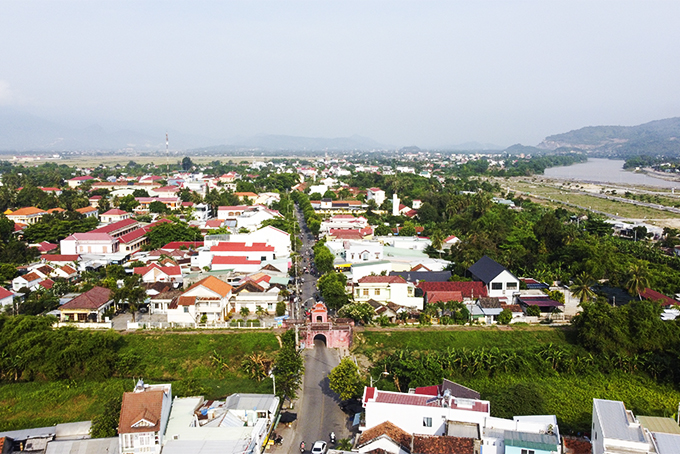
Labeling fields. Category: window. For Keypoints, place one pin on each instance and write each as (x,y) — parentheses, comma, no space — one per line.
(511,285)
(365,292)
(186,309)
(496,286)
(377,292)
(527,451)
(127,441)
(427,422)
(358,292)
(263,258)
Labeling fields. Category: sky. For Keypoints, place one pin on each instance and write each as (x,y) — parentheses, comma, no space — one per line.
(426,73)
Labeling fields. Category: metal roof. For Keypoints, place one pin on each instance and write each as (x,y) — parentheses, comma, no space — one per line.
(616,422)
(486,269)
(262,402)
(89,446)
(667,443)
(660,424)
(544,442)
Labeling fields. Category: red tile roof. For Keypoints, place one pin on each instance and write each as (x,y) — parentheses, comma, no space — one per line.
(61,258)
(92,299)
(233,260)
(132,236)
(433,444)
(382,280)
(653,295)
(30,277)
(169,270)
(186,300)
(114,212)
(214,284)
(470,289)
(435,296)
(46,283)
(147,405)
(115,226)
(241,247)
(4,293)
(394,433)
(178,244)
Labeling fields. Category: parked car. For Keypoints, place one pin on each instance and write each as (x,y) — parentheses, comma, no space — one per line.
(319,447)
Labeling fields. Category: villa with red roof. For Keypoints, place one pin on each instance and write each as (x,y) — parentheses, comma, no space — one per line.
(144,416)
(114,215)
(77,181)
(155,273)
(88,211)
(387,289)
(6,298)
(89,243)
(209,297)
(260,252)
(235,263)
(87,307)
(27,215)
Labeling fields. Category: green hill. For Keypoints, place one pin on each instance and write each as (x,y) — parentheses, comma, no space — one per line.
(660,137)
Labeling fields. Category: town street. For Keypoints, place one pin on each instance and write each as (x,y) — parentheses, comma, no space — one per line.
(319,412)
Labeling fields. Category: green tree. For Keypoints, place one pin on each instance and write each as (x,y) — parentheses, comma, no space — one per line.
(288,367)
(280,308)
(128,203)
(534,311)
(638,278)
(332,288)
(105,425)
(581,288)
(158,207)
(345,380)
(187,164)
(505,317)
(165,232)
(245,312)
(359,312)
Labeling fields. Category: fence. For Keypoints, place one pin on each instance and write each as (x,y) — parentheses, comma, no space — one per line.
(79,325)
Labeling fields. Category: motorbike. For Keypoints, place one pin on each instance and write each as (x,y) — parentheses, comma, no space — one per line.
(302,447)
(332,436)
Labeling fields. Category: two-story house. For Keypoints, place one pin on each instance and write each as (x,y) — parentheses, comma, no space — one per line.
(499,282)
(384,289)
(144,415)
(209,297)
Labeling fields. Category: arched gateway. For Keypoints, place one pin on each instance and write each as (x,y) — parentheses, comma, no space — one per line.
(334,334)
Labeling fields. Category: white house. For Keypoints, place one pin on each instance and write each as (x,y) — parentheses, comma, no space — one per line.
(238,425)
(253,293)
(252,251)
(235,263)
(144,415)
(363,251)
(89,243)
(421,413)
(6,298)
(376,194)
(208,297)
(156,273)
(386,289)
(615,430)
(114,215)
(230,212)
(277,238)
(344,221)
(499,282)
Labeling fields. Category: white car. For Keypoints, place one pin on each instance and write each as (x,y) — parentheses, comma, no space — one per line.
(319,447)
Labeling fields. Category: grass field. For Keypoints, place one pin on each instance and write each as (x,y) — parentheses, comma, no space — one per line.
(374,344)
(181,359)
(587,201)
(568,396)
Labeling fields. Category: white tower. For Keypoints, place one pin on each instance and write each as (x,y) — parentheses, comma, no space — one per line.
(395,205)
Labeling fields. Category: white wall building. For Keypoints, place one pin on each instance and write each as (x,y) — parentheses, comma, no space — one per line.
(376,194)
(386,289)
(615,430)
(144,416)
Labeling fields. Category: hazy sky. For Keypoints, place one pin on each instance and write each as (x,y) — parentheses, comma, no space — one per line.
(401,72)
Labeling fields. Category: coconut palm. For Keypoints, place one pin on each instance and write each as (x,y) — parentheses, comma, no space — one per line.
(639,278)
(581,287)
(437,239)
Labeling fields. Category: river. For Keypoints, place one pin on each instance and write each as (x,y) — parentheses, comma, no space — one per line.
(606,171)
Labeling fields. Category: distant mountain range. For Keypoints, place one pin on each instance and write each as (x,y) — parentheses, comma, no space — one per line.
(268,142)
(660,137)
(23,132)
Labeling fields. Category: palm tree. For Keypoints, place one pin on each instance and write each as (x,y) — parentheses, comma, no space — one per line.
(639,278)
(581,287)
(437,239)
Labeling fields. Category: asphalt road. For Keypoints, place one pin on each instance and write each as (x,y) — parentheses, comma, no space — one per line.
(319,412)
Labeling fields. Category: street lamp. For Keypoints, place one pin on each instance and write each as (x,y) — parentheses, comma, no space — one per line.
(383,374)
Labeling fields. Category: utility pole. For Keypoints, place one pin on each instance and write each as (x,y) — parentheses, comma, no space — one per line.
(167,166)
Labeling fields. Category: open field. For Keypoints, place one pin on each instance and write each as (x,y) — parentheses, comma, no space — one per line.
(568,395)
(112,160)
(375,343)
(181,359)
(555,195)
